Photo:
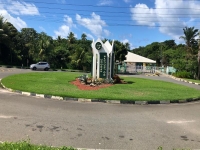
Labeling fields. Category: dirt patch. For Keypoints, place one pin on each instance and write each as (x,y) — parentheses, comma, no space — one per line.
(88,87)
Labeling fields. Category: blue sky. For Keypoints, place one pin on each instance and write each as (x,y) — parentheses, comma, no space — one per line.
(139,22)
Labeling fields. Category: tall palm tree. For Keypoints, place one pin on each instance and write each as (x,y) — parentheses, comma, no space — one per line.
(189,37)
(71,38)
(3,27)
(45,45)
(11,33)
(83,37)
(2,35)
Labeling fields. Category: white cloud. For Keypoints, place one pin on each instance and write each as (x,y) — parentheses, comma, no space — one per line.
(127,41)
(105,2)
(17,22)
(170,21)
(90,36)
(94,24)
(8,7)
(21,8)
(63,31)
(69,21)
(106,32)
(144,15)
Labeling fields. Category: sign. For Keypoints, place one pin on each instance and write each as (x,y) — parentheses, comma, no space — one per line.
(98,45)
(103,65)
(102,62)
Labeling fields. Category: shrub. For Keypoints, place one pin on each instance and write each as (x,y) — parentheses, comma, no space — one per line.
(83,78)
(183,74)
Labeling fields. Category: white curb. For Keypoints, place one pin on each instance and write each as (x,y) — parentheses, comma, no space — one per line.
(26,93)
(84,100)
(57,97)
(40,95)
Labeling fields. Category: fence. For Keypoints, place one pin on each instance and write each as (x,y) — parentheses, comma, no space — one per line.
(136,69)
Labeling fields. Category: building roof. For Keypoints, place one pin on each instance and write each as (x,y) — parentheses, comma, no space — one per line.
(131,57)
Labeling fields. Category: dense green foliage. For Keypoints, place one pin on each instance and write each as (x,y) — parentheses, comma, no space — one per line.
(25,145)
(182,57)
(27,46)
(58,84)
(183,74)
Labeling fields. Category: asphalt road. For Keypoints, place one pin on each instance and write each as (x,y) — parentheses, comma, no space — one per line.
(98,125)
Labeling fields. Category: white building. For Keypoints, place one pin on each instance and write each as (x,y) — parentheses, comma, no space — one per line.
(137,63)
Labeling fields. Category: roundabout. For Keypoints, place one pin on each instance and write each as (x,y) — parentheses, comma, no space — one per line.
(98,125)
(65,86)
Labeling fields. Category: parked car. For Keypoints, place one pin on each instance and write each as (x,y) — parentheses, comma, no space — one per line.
(40,66)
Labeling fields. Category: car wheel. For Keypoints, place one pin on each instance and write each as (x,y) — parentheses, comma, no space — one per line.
(46,69)
(34,68)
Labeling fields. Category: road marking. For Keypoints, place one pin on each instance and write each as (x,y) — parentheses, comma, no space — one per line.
(5,117)
(180,121)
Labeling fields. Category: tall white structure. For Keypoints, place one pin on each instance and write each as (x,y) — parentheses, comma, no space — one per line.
(103,59)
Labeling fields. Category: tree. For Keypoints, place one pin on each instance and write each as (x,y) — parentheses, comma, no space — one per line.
(127,45)
(189,38)
(29,40)
(7,40)
(81,58)
(3,35)
(120,51)
(12,32)
(71,38)
(45,44)
(84,37)
(3,26)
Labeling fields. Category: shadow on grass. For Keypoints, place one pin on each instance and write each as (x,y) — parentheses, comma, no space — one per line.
(129,82)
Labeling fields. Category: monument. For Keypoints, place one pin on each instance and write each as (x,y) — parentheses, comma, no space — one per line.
(103,59)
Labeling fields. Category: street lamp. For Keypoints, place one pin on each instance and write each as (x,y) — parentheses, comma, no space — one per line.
(22,61)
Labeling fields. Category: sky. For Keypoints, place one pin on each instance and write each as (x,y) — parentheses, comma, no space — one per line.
(138,22)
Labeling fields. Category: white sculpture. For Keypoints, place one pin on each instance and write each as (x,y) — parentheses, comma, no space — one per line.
(103,59)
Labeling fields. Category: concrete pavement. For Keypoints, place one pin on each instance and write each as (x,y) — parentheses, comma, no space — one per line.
(98,125)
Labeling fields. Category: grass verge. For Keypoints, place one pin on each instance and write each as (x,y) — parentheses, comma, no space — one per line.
(24,145)
(137,89)
(192,80)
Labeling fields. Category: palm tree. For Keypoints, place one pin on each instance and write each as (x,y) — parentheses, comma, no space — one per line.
(71,38)
(12,33)
(2,35)
(127,45)
(45,45)
(83,37)
(2,27)
(189,38)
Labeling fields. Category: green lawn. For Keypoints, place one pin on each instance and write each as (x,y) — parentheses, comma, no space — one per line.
(26,145)
(58,84)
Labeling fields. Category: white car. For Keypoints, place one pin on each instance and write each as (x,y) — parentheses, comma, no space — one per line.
(40,66)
